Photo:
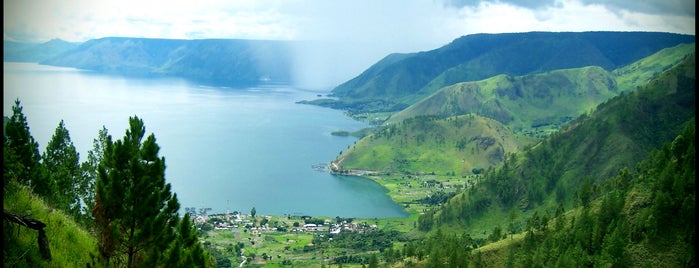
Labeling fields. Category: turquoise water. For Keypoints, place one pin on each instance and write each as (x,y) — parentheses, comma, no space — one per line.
(225,148)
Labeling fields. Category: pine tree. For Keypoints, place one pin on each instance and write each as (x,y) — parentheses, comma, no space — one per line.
(89,170)
(21,151)
(186,251)
(135,212)
(62,179)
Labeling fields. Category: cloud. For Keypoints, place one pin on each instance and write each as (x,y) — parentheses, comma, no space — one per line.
(685,8)
(652,7)
(530,4)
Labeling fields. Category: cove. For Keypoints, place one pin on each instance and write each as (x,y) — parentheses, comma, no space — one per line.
(228,149)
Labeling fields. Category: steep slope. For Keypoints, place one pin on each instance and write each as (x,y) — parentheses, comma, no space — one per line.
(456,145)
(618,134)
(538,104)
(399,81)
(530,104)
(644,218)
(212,61)
(70,245)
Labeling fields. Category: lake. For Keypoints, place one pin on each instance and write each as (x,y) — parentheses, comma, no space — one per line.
(228,149)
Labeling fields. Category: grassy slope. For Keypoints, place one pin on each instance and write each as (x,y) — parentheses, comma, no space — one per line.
(70,245)
(480,56)
(541,103)
(429,145)
(534,104)
(643,71)
(618,134)
(527,104)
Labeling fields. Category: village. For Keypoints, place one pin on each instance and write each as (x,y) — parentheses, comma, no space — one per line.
(300,240)
(259,224)
(249,239)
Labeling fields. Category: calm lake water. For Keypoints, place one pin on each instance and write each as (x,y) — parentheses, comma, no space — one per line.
(224,148)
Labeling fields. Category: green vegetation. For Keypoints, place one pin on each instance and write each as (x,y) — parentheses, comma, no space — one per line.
(639,218)
(428,145)
(136,219)
(125,216)
(401,80)
(619,134)
(70,244)
(533,105)
(551,168)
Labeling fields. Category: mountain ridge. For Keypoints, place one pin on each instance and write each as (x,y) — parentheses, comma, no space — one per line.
(403,80)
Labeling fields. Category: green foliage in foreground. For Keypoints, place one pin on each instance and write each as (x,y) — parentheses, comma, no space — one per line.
(70,245)
(134,214)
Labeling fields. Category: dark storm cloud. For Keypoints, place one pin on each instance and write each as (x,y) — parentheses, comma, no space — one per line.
(654,7)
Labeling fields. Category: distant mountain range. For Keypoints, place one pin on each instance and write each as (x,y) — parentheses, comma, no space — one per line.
(520,110)
(224,62)
(400,80)
(35,52)
(391,84)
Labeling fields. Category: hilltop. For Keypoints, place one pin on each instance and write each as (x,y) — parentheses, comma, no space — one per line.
(539,104)
(456,145)
(400,80)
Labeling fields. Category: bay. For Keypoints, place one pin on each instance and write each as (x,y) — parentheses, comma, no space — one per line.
(228,149)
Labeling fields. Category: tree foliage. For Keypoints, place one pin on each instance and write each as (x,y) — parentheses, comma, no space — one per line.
(63,182)
(135,212)
(20,151)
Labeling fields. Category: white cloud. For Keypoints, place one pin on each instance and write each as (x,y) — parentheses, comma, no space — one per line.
(414,24)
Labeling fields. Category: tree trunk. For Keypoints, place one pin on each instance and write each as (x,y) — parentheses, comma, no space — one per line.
(42,240)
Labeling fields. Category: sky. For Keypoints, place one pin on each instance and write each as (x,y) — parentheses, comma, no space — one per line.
(357,32)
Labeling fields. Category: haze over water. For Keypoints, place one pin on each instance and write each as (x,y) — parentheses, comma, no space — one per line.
(224,148)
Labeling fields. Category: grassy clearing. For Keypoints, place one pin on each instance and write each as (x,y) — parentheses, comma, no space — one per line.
(69,243)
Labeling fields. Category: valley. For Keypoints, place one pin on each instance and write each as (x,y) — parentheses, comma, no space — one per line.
(513,155)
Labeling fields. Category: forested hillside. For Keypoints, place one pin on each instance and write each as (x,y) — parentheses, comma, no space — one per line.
(539,104)
(640,218)
(619,134)
(592,164)
(401,80)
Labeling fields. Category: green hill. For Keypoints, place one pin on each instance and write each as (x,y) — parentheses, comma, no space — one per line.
(618,134)
(70,245)
(401,80)
(539,104)
(644,218)
(526,104)
(427,144)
